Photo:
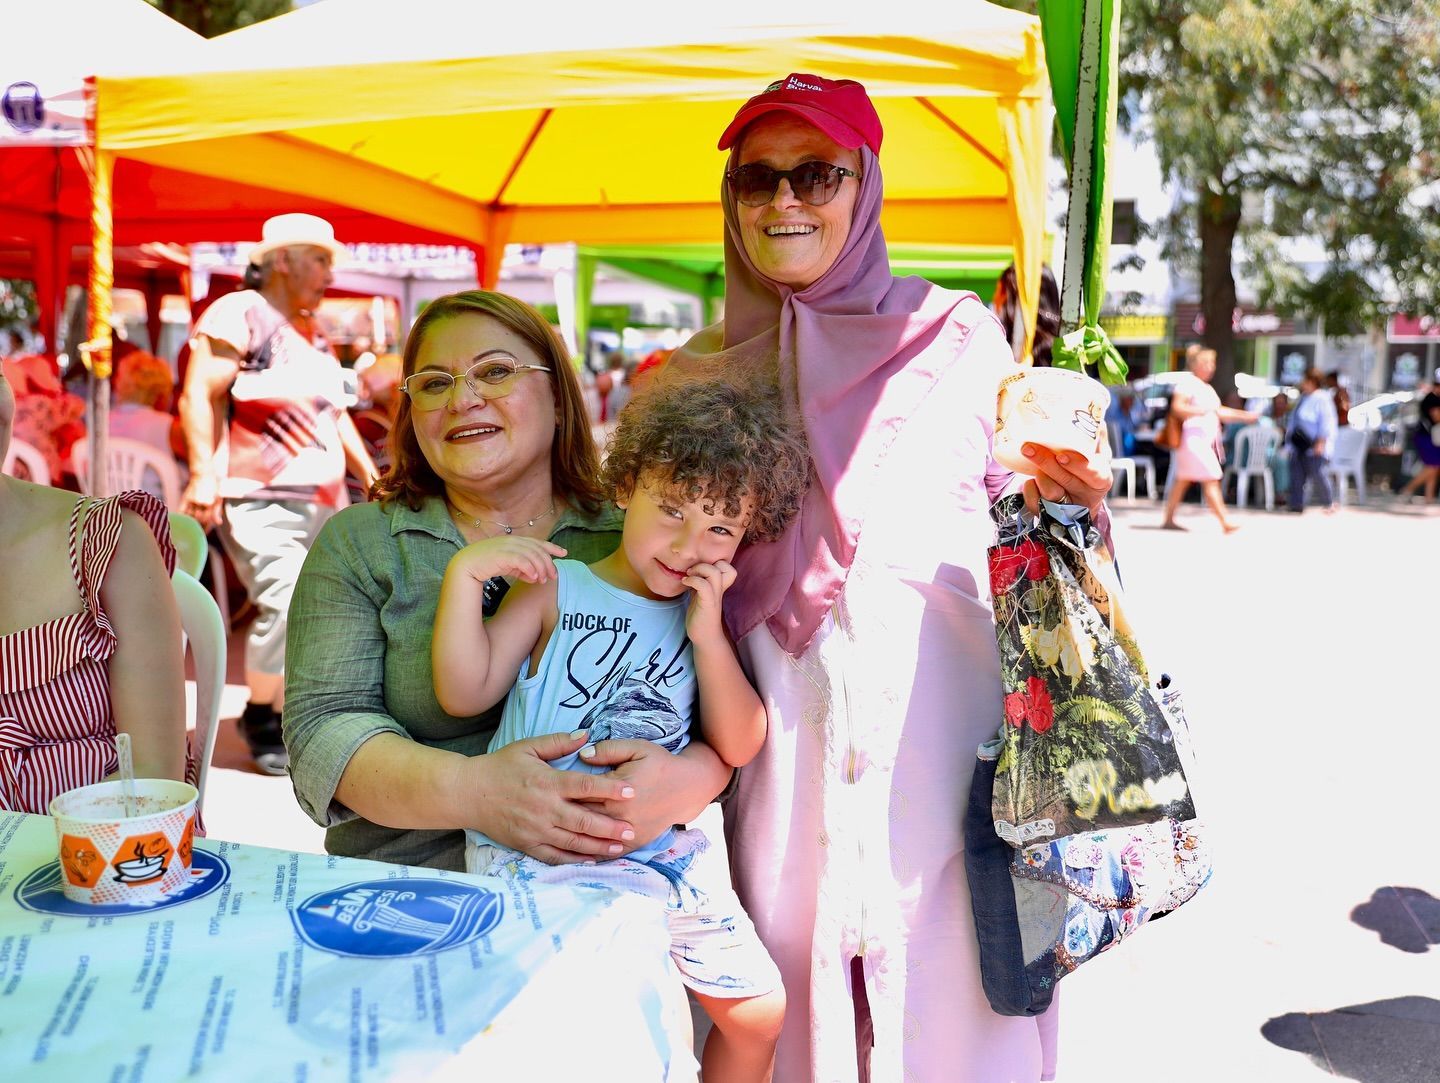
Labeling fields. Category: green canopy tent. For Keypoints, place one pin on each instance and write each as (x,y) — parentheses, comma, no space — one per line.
(699,270)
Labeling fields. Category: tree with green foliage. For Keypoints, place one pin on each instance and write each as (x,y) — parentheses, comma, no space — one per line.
(211,18)
(1285,121)
(1327,114)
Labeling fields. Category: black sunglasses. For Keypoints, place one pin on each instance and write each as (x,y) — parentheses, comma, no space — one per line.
(815,183)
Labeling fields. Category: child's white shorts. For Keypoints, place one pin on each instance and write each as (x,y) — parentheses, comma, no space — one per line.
(712,940)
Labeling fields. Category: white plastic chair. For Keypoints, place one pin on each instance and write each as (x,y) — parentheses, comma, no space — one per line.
(125,464)
(1347,461)
(1254,445)
(205,633)
(31,458)
(1127,464)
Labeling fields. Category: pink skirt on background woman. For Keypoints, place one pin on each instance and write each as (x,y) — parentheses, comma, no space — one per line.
(1195,458)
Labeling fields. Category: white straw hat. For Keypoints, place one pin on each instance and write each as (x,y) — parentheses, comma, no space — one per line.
(285,230)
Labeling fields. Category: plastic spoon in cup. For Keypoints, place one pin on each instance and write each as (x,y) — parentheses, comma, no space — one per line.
(127,772)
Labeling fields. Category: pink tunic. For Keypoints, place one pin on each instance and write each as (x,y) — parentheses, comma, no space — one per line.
(56,727)
(1195,458)
(845,833)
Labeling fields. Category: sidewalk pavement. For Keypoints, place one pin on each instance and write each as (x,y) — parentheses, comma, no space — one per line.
(1308,648)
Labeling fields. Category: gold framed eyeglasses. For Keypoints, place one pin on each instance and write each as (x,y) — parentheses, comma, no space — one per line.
(493,378)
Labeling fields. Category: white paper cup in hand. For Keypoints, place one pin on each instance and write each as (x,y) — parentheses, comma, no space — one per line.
(109,859)
(1059,409)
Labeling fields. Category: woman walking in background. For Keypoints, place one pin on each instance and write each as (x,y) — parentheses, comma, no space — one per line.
(1196,460)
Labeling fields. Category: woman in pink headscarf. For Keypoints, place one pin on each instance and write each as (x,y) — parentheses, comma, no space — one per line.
(867,627)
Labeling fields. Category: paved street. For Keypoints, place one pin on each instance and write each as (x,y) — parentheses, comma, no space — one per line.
(1307,646)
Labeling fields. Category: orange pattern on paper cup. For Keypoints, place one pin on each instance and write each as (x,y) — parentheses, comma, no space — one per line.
(80,860)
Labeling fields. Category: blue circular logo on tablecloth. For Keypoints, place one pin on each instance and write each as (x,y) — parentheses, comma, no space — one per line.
(389,918)
(40,891)
(23,107)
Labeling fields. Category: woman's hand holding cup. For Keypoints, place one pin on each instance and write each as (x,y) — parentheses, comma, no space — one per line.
(1067,478)
(1050,424)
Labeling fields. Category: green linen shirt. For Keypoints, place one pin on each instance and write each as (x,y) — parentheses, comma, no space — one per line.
(357,660)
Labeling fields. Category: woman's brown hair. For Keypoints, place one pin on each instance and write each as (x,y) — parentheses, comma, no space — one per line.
(574,462)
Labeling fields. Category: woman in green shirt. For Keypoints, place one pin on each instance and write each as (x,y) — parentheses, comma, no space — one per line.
(490,437)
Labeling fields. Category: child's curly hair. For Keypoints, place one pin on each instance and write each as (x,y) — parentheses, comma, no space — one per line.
(717,439)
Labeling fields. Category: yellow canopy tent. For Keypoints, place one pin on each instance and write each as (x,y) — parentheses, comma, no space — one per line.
(597,123)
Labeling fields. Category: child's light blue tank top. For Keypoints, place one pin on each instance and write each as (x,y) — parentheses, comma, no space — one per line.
(617,664)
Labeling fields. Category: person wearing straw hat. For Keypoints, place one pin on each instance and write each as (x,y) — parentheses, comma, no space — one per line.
(264,413)
(867,626)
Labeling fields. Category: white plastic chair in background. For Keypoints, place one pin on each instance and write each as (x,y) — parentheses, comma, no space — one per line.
(1127,464)
(126,462)
(1254,445)
(205,633)
(1347,461)
(31,458)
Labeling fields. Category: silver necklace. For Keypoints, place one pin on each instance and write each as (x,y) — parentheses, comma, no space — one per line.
(508,528)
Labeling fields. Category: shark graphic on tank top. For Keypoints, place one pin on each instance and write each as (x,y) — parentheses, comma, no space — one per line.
(617,665)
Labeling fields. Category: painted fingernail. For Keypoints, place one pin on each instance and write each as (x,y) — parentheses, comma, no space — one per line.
(587,752)
(577,735)
(627,835)
(616,848)
(1028,451)
(628,791)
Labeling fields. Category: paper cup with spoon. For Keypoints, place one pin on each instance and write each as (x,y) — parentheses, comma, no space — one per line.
(125,848)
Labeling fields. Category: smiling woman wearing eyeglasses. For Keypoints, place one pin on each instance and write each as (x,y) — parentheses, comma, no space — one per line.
(491,437)
(867,627)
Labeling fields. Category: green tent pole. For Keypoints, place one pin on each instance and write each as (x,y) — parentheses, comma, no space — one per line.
(1079,228)
(584,299)
(1083,38)
(714,289)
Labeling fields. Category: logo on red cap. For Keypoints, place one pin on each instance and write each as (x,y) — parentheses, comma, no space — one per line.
(796,83)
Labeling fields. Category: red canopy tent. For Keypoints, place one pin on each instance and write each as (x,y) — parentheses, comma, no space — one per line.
(45,221)
(49,182)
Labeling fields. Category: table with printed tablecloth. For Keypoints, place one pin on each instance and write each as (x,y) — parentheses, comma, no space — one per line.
(274,964)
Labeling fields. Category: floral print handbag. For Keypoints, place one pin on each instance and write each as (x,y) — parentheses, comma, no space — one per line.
(1081,825)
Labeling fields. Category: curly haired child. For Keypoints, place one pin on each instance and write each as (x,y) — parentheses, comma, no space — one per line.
(631,647)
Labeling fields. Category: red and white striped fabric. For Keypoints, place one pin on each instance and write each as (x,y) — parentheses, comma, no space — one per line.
(56,727)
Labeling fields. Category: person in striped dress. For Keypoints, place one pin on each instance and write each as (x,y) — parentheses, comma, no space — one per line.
(89,638)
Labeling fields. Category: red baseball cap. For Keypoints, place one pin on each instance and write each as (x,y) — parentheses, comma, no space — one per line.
(838,107)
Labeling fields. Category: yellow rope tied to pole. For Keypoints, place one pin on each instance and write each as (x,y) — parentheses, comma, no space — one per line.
(96,350)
